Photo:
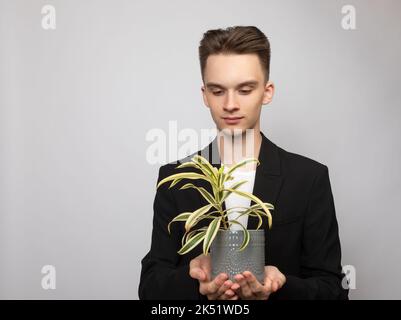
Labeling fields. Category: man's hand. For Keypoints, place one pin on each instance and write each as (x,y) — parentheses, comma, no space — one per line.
(217,289)
(249,288)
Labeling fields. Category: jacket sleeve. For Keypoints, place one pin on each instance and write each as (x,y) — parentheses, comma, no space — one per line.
(321,272)
(161,276)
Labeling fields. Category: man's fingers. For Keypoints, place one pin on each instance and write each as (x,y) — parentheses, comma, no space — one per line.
(199,268)
(235,297)
(253,283)
(224,287)
(230,295)
(230,292)
(195,263)
(194,266)
(214,285)
(244,290)
(276,278)
(246,286)
(268,284)
(274,286)
(213,288)
(201,275)
(235,286)
(197,273)
(224,291)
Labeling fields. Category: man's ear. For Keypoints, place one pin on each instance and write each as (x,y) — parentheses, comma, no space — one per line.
(268,93)
(204,97)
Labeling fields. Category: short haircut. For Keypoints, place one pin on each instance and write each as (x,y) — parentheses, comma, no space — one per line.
(235,40)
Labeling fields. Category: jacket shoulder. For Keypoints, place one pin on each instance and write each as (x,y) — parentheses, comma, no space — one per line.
(170,168)
(296,163)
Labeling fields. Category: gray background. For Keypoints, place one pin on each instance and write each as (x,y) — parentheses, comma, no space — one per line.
(76,190)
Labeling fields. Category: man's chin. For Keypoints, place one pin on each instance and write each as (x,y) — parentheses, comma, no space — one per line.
(230,131)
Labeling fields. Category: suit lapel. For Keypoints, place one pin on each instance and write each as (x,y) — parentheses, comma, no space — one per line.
(211,153)
(268,178)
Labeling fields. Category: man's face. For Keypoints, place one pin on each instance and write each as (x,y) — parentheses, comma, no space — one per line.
(234,90)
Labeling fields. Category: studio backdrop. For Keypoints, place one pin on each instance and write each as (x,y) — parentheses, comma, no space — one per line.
(84,85)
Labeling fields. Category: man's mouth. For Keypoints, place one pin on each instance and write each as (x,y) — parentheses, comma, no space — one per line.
(232,120)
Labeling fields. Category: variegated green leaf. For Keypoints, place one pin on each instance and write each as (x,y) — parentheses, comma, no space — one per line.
(209,198)
(188,235)
(255,211)
(256,207)
(183,175)
(192,243)
(209,174)
(220,176)
(240,164)
(206,164)
(216,172)
(187,186)
(211,233)
(181,217)
(188,164)
(246,235)
(256,214)
(255,199)
(175,181)
(193,218)
(234,186)
(205,194)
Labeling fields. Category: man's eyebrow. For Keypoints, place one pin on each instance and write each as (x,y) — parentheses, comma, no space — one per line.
(242,84)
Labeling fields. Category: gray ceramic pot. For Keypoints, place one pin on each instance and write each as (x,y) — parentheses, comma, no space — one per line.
(226,257)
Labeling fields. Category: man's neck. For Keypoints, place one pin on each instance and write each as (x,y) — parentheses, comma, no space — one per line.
(233,149)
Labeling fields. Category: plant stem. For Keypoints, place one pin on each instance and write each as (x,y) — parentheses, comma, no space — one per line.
(225,223)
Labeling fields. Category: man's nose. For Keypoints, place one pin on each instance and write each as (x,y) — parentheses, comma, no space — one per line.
(230,104)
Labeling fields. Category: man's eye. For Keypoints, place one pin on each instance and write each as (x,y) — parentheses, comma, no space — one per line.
(245,91)
(219,92)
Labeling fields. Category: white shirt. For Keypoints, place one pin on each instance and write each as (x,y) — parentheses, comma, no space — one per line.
(234,200)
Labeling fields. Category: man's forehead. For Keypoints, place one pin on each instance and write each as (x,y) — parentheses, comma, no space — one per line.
(237,70)
(227,84)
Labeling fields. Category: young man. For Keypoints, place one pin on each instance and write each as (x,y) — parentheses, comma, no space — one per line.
(303,255)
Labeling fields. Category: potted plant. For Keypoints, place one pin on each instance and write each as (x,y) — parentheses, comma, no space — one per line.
(231,251)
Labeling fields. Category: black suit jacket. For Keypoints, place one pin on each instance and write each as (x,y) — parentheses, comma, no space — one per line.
(303,242)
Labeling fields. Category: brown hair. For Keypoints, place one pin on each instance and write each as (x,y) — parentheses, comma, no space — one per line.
(238,40)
